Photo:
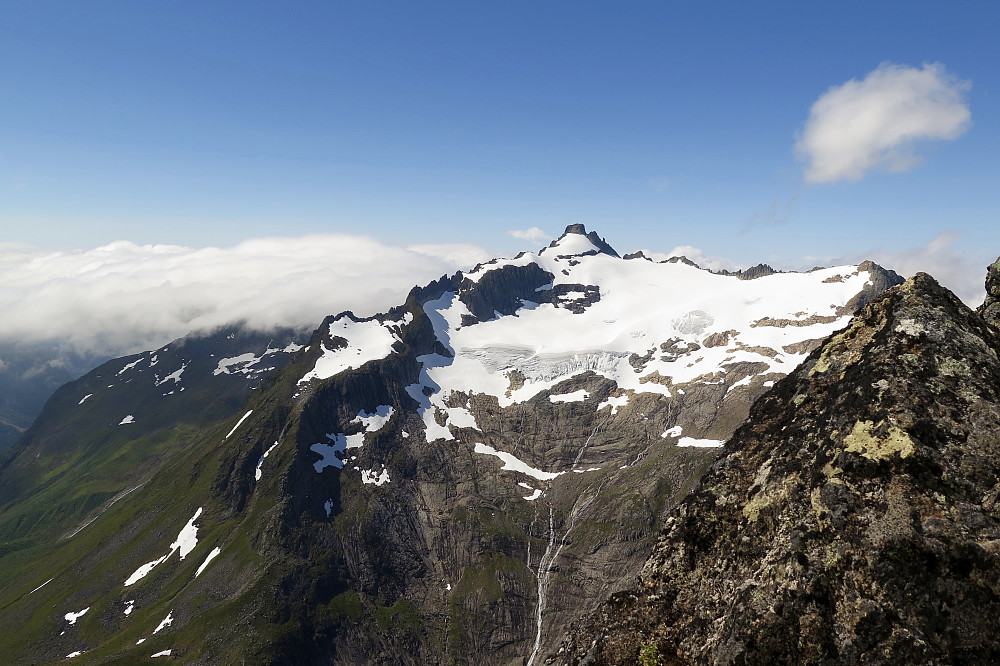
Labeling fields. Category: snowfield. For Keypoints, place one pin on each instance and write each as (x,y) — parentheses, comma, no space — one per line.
(359,341)
(643,305)
(651,328)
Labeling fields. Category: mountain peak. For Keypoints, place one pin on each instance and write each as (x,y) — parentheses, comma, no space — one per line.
(575,240)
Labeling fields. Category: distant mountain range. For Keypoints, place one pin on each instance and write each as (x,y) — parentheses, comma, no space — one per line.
(453,481)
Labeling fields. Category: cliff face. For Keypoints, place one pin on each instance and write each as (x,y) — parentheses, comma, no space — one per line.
(853,519)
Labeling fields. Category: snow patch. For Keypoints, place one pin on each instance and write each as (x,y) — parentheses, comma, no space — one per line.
(366,341)
(128,419)
(246,360)
(514,464)
(328,507)
(376,420)
(533,496)
(372,423)
(211,556)
(673,432)
(743,382)
(73,617)
(84,398)
(329,454)
(165,653)
(238,423)
(167,621)
(707,443)
(42,585)
(130,606)
(73,654)
(175,375)
(614,402)
(257,472)
(368,477)
(129,366)
(575,396)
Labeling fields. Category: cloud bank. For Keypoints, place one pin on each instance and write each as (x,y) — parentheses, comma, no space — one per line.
(875,122)
(124,297)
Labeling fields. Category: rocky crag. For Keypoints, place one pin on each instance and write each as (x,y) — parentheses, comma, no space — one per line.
(854,519)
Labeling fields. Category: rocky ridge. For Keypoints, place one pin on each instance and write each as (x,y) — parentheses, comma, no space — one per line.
(854,518)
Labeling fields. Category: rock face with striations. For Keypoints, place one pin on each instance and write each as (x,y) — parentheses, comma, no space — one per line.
(853,519)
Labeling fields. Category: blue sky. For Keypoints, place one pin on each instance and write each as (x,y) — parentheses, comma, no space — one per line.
(657,124)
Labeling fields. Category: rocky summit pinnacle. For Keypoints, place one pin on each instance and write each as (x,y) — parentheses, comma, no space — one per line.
(600,244)
(854,518)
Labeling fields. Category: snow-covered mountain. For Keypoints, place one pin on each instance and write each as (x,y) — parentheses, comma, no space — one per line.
(514,329)
(452,481)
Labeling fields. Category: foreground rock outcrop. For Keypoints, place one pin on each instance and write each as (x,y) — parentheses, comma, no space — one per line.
(853,519)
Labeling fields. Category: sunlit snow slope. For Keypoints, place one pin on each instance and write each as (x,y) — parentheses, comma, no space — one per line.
(651,328)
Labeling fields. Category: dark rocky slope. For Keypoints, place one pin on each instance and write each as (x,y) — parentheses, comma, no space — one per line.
(853,519)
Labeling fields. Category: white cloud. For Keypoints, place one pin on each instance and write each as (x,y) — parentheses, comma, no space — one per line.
(534,234)
(125,297)
(875,122)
